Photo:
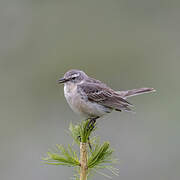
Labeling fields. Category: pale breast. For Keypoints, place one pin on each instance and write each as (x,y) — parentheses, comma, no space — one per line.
(80,104)
(73,97)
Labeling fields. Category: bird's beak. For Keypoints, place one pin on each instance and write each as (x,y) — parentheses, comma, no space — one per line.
(62,80)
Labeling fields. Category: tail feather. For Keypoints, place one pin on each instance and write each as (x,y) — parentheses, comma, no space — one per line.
(134,92)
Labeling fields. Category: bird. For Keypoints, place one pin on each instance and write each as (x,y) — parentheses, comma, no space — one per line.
(92,98)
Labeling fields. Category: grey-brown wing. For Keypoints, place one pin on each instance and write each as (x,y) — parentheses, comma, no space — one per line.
(104,96)
(95,81)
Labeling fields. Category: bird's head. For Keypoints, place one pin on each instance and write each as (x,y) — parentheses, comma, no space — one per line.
(73,76)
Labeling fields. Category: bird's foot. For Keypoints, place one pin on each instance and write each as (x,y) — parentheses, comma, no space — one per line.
(92,122)
(89,143)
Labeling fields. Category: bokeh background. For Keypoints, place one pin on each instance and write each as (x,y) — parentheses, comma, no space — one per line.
(124,43)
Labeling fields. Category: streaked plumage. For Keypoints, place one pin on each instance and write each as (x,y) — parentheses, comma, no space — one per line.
(92,98)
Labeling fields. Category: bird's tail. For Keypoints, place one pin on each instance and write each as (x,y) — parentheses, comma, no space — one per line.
(134,92)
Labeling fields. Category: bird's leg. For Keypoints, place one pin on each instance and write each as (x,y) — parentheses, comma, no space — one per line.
(92,121)
(91,125)
(89,143)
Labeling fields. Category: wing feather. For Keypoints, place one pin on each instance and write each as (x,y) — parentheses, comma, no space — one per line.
(103,95)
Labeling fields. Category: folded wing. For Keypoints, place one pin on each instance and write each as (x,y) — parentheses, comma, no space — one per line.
(105,96)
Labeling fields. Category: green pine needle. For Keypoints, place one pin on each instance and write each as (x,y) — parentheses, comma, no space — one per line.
(102,154)
(82,131)
(99,157)
(62,156)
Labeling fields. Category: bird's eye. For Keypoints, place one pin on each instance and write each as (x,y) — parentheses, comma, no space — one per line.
(73,78)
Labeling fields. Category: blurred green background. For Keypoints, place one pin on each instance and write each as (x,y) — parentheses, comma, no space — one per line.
(124,43)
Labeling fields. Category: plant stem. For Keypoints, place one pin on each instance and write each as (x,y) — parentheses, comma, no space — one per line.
(83,161)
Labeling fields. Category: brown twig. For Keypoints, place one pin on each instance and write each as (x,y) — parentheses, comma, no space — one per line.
(83,161)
